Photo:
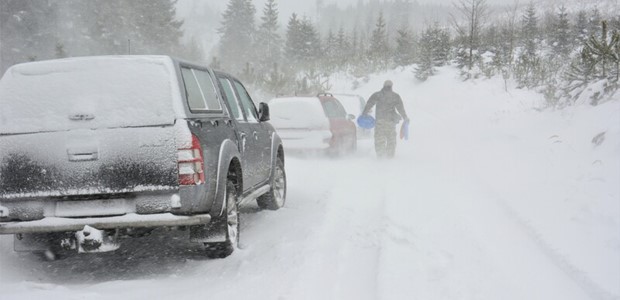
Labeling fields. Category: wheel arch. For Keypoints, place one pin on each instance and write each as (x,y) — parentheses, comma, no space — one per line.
(228,161)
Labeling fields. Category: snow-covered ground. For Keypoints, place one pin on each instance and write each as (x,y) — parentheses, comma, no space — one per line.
(489,199)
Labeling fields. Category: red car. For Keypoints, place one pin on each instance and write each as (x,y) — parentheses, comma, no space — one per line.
(314,123)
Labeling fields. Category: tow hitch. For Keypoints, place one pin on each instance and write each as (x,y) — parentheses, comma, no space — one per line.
(90,239)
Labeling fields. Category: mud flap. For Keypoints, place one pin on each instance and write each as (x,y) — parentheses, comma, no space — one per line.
(213,232)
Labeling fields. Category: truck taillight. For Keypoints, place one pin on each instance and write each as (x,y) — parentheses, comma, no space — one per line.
(191,164)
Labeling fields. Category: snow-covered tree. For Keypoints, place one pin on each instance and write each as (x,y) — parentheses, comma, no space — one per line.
(604,51)
(469,27)
(599,61)
(434,45)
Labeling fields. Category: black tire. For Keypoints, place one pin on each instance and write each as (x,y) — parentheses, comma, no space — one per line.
(276,197)
(231,220)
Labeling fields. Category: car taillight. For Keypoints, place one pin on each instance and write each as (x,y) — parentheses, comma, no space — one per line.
(191,164)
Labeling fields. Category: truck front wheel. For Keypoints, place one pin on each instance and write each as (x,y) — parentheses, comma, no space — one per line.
(275,198)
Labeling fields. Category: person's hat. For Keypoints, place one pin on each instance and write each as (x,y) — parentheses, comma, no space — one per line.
(388,83)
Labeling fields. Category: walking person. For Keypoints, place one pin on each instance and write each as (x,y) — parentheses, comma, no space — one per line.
(389,112)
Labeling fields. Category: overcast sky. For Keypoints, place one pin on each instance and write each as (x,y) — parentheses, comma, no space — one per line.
(308,7)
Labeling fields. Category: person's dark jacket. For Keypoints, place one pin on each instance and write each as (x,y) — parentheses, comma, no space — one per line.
(388,103)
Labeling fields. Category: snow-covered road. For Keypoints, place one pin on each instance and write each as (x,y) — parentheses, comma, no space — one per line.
(479,204)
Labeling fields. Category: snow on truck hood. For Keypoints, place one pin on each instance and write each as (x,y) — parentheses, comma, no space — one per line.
(89,92)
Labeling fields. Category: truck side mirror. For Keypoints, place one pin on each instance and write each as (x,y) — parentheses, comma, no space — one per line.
(263,112)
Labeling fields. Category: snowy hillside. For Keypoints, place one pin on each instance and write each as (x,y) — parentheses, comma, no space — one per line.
(491,198)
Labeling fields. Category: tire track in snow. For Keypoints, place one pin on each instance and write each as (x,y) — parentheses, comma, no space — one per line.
(360,250)
(340,253)
(580,277)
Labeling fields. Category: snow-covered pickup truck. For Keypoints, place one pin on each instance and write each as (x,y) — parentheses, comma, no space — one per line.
(96,149)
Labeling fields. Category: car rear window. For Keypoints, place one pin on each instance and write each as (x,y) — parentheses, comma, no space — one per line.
(333,109)
(297,113)
(86,93)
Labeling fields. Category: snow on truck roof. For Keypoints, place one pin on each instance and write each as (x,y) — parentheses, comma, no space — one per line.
(106,91)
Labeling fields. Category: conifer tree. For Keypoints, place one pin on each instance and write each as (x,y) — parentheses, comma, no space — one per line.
(268,45)
(434,45)
(344,51)
(310,43)
(403,55)
(561,34)
(594,21)
(529,30)
(158,30)
(426,67)
(581,26)
(330,51)
(303,46)
(355,51)
(293,40)
(441,45)
(599,60)
(379,47)
(603,50)
(237,35)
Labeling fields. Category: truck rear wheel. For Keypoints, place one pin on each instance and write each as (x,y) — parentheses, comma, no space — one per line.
(275,198)
(231,218)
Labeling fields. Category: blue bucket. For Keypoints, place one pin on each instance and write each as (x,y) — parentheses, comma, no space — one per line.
(366,122)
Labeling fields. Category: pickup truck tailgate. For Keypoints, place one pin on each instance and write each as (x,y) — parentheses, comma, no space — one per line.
(87,161)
